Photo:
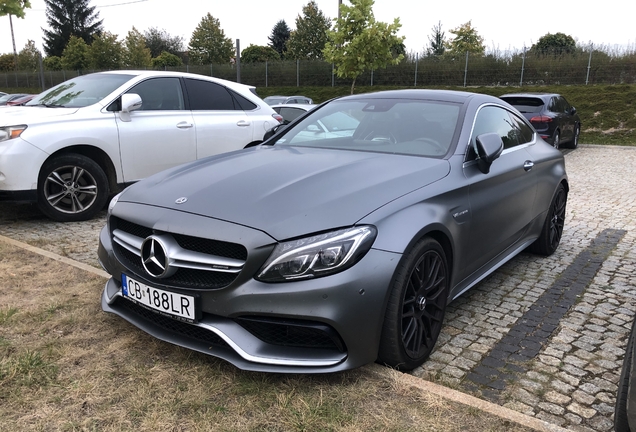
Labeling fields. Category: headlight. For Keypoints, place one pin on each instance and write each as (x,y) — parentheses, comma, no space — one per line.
(319,255)
(11,132)
(113,201)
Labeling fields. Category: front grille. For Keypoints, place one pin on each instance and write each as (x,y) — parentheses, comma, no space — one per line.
(174,326)
(184,277)
(293,333)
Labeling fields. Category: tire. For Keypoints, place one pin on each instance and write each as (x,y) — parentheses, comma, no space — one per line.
(552,229)
(574,143)
(621,423)
(416,306)
(555,139)
(71,188)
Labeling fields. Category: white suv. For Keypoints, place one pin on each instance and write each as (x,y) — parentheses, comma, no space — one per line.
(72,146)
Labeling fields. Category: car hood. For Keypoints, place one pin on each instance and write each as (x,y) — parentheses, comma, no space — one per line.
(14,115)
(288,191)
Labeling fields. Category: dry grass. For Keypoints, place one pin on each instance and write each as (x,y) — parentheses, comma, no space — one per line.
(67,366)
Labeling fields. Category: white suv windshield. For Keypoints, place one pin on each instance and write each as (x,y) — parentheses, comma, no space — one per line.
(81,91)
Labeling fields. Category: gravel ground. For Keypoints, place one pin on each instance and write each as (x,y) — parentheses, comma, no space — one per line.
(543,336)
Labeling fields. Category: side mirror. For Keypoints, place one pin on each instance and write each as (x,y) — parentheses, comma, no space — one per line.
(573,111)
(130,102)
(489,147)
(270,133)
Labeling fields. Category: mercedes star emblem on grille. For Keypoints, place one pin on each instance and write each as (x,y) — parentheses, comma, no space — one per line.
(154,257)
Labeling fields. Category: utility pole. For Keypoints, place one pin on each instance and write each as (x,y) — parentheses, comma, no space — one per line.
(339,4)
(15,52)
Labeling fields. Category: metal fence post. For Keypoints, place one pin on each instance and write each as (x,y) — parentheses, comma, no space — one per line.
(211,69)
(589,62)
(333,76)
(297,73)
(416,59)
(265,73)
(371,77)
(523,64)
(466,69)
(238,61)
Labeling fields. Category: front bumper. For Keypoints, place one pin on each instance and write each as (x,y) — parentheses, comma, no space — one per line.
(347,307)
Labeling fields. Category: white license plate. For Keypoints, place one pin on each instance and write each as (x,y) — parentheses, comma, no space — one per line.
(170,303)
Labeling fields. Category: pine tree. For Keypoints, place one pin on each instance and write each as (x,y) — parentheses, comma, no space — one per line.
(310,36)
(208,43)
(68,18)
(159,40)
(279,37)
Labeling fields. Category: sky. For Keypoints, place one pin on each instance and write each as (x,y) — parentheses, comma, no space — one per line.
(504,25)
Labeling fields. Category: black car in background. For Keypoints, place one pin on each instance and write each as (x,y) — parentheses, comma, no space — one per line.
(551,115)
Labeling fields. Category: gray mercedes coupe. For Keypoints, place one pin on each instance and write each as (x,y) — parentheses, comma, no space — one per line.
(341,239)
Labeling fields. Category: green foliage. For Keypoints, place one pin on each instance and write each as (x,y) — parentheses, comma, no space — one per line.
(466,40)
(208,44)
(106,52)
(159,40)
(259,54)
(556,44)
(29,57)
(436,41)
(136,54)
(279,37)
(68,18)
(7,62)
(359,42)
(308,40)
(166,59)
(53,63)
(14,7)
(76,54)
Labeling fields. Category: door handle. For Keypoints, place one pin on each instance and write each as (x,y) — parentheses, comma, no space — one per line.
(242,123)
(184,125)
(527,165)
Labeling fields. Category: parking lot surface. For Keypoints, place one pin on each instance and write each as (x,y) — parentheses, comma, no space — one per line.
(543,336)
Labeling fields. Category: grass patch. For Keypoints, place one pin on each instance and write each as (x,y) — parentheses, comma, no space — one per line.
(66,365)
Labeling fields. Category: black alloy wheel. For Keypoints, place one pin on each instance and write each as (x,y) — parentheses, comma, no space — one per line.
(555,140)
(575,139)
(71,187)
(552,230)
(416,307)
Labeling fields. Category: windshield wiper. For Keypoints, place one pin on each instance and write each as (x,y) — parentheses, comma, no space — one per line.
(49,105)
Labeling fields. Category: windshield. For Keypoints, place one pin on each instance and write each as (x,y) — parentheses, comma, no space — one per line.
(272,100)
(403,126)
(81,91)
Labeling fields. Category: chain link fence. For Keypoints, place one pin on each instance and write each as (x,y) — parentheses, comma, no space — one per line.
(592,67)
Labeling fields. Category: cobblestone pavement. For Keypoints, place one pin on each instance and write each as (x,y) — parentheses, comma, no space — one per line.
(543,336)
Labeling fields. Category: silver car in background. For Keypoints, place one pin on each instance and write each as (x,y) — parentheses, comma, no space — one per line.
(323,250)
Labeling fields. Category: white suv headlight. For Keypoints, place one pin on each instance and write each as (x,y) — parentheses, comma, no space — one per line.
(11,132)
(318,255)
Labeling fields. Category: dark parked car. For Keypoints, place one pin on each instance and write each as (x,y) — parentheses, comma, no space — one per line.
(321,251)
(21,100)
(277,100)
(625,410)
(551,115)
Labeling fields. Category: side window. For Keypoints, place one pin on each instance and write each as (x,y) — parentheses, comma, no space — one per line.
(565,106)
(524,132)
(159,94)
(208,96)
(492,119)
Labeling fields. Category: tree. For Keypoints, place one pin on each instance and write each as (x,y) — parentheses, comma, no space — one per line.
(208,43)
(310,36)
(29,57)
(437,41)
(14,7)
(136,53)
(556,44)
(7,62)
(259,54)
(69,18)
(358,42)
(279,37)
(53,63)
(76,54)
(106,52)
(166,59)
(159,41)
(466,40)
